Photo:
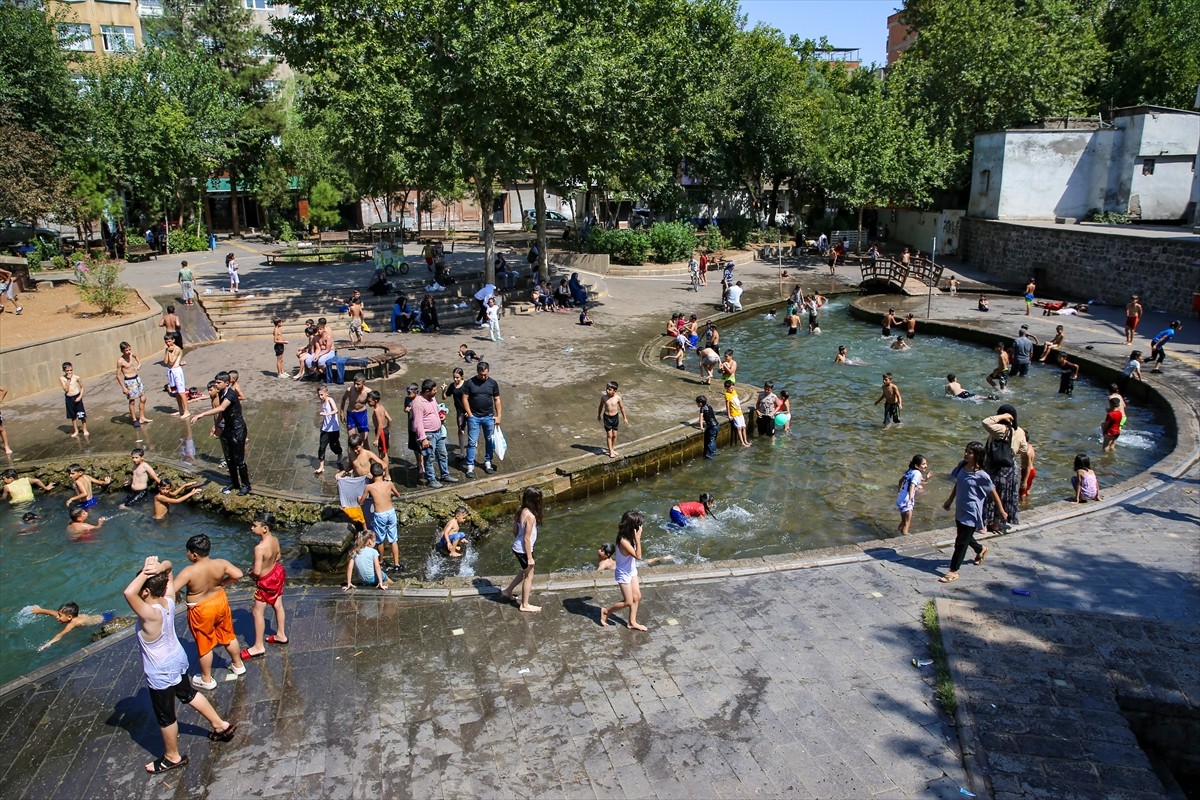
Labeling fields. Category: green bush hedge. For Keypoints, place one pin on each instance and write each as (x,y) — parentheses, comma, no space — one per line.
(711,240)
(738,231)
(624,247)
(672,241)
(184,241)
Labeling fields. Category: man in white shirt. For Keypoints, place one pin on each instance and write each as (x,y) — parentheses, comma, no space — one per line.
(734,298)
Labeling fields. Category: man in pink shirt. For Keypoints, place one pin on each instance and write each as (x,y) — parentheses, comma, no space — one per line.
(431,436)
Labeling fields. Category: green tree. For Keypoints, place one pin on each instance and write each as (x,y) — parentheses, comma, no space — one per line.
(1153,53)
(873,154)
(35,77)
(983,65)
(33,184)
(323,205)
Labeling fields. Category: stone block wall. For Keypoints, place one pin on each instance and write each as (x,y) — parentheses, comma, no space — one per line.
(1082,263)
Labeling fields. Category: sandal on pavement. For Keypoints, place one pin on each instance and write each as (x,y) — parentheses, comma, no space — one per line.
(982,554)
(247,655)
(162,765)
(272,640)
(949,577)
(225,735)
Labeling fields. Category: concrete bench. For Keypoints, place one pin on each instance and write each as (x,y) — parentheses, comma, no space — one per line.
(377,359)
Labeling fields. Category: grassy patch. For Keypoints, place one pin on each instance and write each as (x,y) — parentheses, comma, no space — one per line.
(943,687)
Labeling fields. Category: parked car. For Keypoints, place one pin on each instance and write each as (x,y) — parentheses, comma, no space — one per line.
(641,218)
(13,232)
(554,221)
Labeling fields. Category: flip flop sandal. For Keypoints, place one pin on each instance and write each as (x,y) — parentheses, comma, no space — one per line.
(272,640)
(162,765)
(225,735)
(247,655)
(982,554)
(950,578)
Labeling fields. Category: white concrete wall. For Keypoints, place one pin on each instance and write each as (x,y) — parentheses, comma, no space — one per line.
(987,172)
(1051,174)
(1172,142)
(917,229)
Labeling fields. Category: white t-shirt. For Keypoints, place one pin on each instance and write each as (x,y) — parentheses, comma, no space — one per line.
(735,295)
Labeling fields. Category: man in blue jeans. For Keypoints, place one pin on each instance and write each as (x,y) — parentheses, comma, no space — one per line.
(427,424)
(483,411)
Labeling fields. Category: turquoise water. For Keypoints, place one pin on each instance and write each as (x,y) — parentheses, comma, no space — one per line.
(39,565)
(832,479)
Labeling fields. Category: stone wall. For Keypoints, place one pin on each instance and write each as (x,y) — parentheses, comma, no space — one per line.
(1081,263)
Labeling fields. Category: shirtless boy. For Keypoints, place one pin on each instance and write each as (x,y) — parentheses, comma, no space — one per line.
(174,328)
(451,535)
(955,389)
(356,319)
(354,407)
(79,529)
(176,383)
(998,378)
(72,386)
(139,481)
(893,403)
(728,366)
(793,321)
(166,496)
(280,344)
(361,459)
(383,426)
(269,577)
(84,487)
(1133,315)
(128,368)
(68,614)
(709,359)
(204,581)
(611,412)
(381,491)
(840,358)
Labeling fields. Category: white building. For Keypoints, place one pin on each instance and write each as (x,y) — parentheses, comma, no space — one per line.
(1142,163)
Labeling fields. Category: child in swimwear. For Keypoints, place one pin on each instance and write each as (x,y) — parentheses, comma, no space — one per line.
(165,496)
(72,386)
(1054,344)
(280,343)
(1114,418)
(451,535)
(909,485)
(68,614)
(84,487)
(955,389)
(783,405)
(79,529)
(628,551)
(840,358)
(383,426)
(365,558)
(1086,486)
(269,577)
(900,344)
(681,512)
(139,481)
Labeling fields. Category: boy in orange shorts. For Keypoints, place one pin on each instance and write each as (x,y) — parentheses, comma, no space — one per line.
(204,580)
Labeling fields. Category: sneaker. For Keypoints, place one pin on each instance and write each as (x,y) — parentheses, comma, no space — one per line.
(488,468)
(449,479)
(19,310)
(235,671)
(227,490)
(245,490)
(470,472)
(221,464)
(198,683)
(433,484)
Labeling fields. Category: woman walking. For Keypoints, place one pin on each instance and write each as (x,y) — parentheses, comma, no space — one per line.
(972,488)
(629,550)
(524,536)
(1007,460)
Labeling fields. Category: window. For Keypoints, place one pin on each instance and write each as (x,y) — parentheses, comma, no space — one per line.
(985,181)
(150,8)
(1148,166)
(259,5)
(271,87)
(118,38)
(76,36)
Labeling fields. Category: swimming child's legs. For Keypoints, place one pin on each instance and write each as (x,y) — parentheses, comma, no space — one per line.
(678,518)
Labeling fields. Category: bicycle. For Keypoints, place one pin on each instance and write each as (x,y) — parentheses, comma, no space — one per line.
(695,278)
(398,268)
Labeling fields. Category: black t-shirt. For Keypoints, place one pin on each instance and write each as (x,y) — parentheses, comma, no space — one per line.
(710,416)
(482,394)
(458,393)
(231,417)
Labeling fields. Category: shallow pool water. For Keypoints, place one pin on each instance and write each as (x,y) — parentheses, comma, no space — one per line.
(832,479)
(39,565)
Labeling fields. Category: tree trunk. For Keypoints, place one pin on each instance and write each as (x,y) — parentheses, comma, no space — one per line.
(483,189)
(520,202)
(235,217)
(773,207)
(539,204)
(418,214)
(207,210)
(858,242)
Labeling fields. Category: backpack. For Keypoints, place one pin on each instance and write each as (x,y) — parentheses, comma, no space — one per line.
(999,453)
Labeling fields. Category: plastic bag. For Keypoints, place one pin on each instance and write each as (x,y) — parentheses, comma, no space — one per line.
(499,443)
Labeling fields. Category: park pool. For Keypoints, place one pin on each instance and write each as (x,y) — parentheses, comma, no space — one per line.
(39,565)
(832,479)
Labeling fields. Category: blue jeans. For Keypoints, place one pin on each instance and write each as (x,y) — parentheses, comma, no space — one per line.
(710,441)
(436,450)
(473,425)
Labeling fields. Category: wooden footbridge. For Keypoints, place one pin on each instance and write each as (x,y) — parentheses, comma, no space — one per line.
(892,275)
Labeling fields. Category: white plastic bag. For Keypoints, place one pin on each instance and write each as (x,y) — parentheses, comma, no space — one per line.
(499,443)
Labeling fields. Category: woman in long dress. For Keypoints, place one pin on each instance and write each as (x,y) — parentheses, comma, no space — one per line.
(1009,476)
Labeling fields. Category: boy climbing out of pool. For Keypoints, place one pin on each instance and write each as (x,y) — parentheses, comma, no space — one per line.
(611,412)
(211,622)
(20,490)
(79,529)
(151,595)
(269,577)
(682,512)
(84,487)
(68,614)
(139,481)
(451,535)
(893,402)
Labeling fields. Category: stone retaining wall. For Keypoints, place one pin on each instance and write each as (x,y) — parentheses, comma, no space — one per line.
(1082,263)
(32,367)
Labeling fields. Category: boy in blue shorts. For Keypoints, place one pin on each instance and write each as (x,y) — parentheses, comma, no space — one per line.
(381,491)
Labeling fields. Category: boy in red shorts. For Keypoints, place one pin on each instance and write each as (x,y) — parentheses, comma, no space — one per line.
(269,577)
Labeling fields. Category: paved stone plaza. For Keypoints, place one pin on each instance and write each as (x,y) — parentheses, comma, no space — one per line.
(795,682)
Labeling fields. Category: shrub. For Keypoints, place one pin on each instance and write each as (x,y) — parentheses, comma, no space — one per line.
(100,285)
(323,201)
(34,259)
(181,240)
(1108,217)
(286,234)
(625,247)
(59,262)
(672,241)
(711,240)
(739,231)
